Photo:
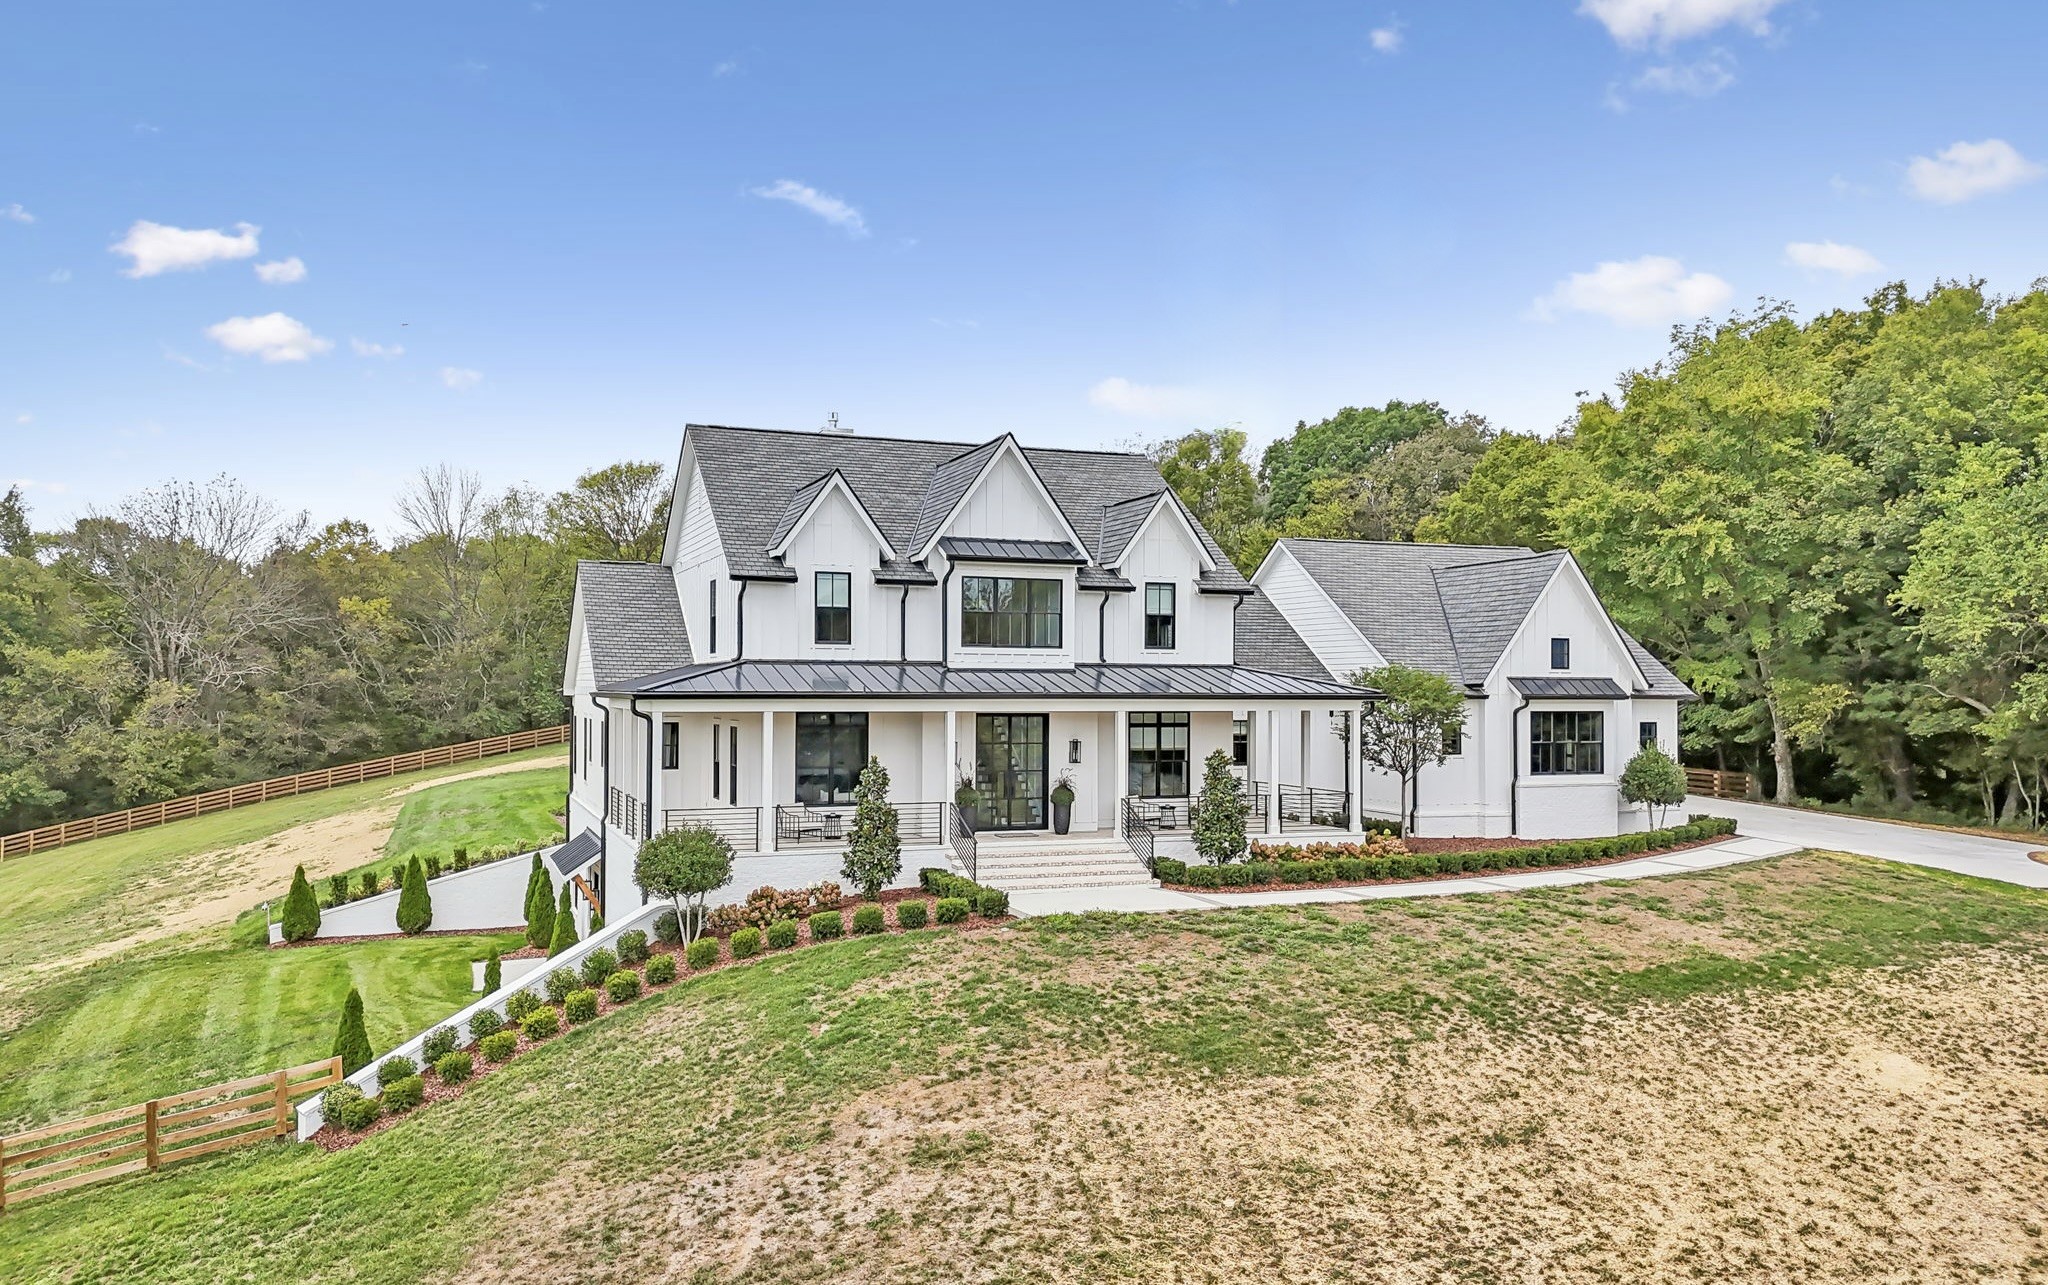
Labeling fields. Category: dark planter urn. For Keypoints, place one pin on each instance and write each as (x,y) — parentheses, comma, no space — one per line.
(1062,816)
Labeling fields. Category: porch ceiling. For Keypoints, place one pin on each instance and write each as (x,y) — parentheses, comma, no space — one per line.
(837,680)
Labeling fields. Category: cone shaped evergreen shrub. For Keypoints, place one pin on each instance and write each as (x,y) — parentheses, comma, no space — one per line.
(565,926)
(352,1040)
(540,907)
(301,909)
(415,911)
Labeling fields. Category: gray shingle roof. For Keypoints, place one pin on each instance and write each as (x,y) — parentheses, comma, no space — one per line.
(631,619)
(1120,523)
(577,853)
(840,679)
(1266,641)
(907,487)
(800,500)
(1662,681)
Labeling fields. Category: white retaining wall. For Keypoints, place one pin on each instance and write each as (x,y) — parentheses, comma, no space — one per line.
(492,895)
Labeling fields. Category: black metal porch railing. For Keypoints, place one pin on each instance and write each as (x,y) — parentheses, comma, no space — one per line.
(1138,837)
(1260,798)
(741,827)
(623,810)
(960,836)
(799,825)
(1304,806)
(1163,814)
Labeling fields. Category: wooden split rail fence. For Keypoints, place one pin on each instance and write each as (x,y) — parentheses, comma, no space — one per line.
(162,1131)
(1716,784)
(277,787)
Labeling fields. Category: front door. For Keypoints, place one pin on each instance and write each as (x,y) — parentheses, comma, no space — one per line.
(1009,771)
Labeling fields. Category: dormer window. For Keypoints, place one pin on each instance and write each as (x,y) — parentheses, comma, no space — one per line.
(1159,617)
(832,616)
(1009,611)
(1560,653)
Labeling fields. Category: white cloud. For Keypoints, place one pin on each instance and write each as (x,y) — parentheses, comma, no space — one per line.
(49,488)
(364,348)
(13,213)
(272,336)
(59,276)
(459,379)
(829,208)
(1387,39)
(1147,401)
(726,68)
(1636,23)
(24,418)
(1827,256)
(1649,291)
(156,247)
(1702,79)
(1962,171)
(281,272)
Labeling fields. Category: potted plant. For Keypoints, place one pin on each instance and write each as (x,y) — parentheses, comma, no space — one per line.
(1062,803)
(965,796)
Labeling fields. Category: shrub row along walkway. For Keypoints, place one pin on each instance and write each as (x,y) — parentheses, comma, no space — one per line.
(1080,900)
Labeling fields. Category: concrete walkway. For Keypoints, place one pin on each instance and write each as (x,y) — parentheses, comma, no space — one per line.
(1969,854)
(1053,901)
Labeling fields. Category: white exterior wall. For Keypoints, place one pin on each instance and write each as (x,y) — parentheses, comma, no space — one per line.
(1204,624)
(699,561)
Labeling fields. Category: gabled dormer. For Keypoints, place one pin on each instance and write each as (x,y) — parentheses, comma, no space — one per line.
(991,492)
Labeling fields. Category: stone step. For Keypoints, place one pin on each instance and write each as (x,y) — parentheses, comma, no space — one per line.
(1037,883)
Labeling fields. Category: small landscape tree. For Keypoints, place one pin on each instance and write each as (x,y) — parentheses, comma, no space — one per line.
(1409,726)
(540,907)
(1653,777)
(565,925)
(874,853)
(494,972)
(415,910)
(686,866)
(352,1040)
(301,909)
(1220,812)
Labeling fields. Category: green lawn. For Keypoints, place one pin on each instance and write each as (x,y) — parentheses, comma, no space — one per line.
(802,1118)
(127,1030)
(516,810)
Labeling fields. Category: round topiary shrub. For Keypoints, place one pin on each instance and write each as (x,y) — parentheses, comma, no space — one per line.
(484,1024)
(454,1068)
(348,1106)
(702,953)
(827,924)
(782,934)
(519,1004)
(560,983)
(746,943)
(541,1024)
(953,910)
(910,914)
(598,965)
(580,1006)
(868,920)
(395,1068)
(622,986)
(633,947)
(405,1094)
(500,1046)
(661,970)
(440,1042)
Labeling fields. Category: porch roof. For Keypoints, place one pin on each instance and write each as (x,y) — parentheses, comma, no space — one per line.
(1570,688)
(838,680)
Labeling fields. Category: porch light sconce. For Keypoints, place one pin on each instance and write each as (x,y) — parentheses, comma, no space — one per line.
(1074,750)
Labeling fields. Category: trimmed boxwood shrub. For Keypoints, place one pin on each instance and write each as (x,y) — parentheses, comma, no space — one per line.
(484,1024)
(702,953)
(926,875)
(827,924)
(440,1042)
(598,965)
(622,986)
(746,943)
(661,970)
(395,1068)
(580,1006)
(869,920)
(782,934)
(952,910)
(910,914)
(405,1094)
(1170,870)
(560,983)
(499,1046)
(519,1004)
(454,1068)
(633,947)
(541,1023)
(993,903)
(350,1108)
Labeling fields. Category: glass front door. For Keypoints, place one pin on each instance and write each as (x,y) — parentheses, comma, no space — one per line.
(1009,771)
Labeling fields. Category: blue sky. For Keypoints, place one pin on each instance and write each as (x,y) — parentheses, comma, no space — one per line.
(586,225)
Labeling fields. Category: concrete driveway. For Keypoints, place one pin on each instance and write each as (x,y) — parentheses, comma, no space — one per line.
(1941,849)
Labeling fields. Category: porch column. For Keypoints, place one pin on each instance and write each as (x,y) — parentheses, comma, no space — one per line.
(767,820)
(1352,816)
(1120,760)
(1272,721)
(952,755)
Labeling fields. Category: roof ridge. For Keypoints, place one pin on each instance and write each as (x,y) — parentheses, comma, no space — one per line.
(839,437)
(1405,544)
(1450,630)
(1530,556)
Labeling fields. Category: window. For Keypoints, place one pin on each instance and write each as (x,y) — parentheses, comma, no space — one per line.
(586,747)
(1159,756)
(717,761)
(1646,734)
(711,596)
(832,620)
(671,745)
(831,749)
(1005,611)
(1241,741)
(1560,653)
(1566,744)
(1454,740)
(732,765)
(1159,616)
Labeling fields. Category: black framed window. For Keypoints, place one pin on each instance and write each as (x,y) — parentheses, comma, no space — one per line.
(1009,611)
(1159,756)
(1560,653)
(1567,743)
(671,745)
(732,765)
(1646,734)
(1241,742)
(717,761)
(833,609)
(1454,741)
(831,749)
(711,597)
(1159,616)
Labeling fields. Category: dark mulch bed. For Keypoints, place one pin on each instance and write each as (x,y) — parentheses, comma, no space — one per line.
(1465,845)
(1462,874)
(525,953)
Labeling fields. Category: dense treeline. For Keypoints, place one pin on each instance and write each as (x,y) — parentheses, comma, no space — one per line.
(1837,531)
(195,636)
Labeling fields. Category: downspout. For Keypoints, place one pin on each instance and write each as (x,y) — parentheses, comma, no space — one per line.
(604,798)
(1515,769)
(647,798)
(739,603)
(946,616)
(1102,638)
(903,624)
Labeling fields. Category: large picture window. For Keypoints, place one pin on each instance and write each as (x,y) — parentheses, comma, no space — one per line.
(1008,611)
(1159,756)
(833,622)
(1159,617)
(831,749)
(1568,743)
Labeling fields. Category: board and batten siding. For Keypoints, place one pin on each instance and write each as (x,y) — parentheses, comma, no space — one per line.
(700,559)
(1322,627)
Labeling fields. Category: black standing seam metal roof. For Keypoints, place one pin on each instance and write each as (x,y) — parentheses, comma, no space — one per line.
(882,679)
(1569,688)
(577,853)
(970,549)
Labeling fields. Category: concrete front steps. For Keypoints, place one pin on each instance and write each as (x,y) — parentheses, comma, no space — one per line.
(1043,862)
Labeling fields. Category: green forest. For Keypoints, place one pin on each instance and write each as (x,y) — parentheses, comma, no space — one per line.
(1836,531)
